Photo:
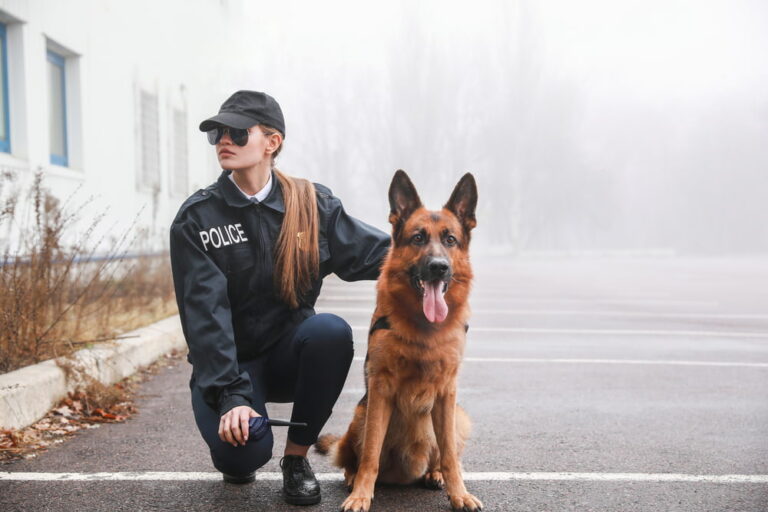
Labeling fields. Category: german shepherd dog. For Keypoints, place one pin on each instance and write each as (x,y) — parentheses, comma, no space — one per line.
(408,427)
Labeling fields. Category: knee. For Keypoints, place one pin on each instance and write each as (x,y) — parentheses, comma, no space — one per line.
(330,333)
(239,460)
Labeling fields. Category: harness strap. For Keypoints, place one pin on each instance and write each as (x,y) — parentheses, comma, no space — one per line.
(383,323)
(380,323)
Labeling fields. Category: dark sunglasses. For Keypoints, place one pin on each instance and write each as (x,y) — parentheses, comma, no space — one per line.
(238,135)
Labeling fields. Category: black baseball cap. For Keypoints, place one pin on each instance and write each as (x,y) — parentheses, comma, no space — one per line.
(245,109)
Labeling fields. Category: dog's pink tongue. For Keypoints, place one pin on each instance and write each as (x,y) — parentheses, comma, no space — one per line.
(435,308)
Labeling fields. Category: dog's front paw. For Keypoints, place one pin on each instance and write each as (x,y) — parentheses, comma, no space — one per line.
(356,504)
(434,480)
(465,503)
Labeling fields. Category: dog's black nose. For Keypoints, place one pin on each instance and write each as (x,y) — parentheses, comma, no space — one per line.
(438,267)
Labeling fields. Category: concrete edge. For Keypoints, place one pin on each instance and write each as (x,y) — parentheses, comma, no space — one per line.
(28,393)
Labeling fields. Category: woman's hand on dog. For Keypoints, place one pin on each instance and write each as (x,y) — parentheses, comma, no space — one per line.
(233,427)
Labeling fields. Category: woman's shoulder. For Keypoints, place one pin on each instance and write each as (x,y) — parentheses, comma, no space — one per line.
(322,191)
(200,196)
(327,204)
(326,201)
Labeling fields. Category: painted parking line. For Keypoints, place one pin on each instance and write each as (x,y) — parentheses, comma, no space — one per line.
(619,477)
(579,312)
(613,332)
(661,362)
(357,297)
(154,476)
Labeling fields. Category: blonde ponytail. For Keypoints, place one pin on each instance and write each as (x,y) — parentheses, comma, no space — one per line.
(296,252)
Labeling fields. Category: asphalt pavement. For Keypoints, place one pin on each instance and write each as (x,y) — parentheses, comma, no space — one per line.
(593,385)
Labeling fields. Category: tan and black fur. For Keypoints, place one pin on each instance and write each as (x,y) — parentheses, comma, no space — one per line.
(408,428)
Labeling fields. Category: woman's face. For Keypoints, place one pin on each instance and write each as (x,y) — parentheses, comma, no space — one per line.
(258,149)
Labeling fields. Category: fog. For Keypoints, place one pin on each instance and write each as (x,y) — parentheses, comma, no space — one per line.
(591,126)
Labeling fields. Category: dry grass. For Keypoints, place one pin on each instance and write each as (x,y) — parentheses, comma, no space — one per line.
(58,293)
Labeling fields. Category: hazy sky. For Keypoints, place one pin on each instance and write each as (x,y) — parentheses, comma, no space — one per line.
(590,125)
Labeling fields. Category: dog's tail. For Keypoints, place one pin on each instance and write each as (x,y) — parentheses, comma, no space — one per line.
(325,443)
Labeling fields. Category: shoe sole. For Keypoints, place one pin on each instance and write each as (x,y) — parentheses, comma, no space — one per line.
(301,500)
(241,480)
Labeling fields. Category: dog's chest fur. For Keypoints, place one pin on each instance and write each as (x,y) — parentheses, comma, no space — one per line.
(419,372)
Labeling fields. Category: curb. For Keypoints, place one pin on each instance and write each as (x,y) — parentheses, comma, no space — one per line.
(28,393)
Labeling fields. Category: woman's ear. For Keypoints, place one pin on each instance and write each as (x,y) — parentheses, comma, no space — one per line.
(274,140)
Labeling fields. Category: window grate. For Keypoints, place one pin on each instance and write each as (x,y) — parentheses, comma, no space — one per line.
(150,141)
(180,173)
(57,109)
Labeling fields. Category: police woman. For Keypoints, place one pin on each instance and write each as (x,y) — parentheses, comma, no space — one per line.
(248,255)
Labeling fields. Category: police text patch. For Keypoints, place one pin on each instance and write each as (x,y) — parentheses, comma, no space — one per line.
(222,235)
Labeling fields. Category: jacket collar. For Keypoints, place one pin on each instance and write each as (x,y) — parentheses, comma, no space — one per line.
(235,198)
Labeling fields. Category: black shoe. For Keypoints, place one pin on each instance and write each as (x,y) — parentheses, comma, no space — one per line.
(300,486)
(240,479)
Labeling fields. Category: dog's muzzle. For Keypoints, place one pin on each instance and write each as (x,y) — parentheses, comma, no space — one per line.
(432,283)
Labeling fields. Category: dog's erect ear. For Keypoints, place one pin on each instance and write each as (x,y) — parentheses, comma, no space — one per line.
(403,201)
(403,198)
(463,201)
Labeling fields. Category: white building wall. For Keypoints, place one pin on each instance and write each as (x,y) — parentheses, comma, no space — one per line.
(183,52)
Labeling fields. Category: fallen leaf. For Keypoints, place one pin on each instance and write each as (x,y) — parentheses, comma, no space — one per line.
(63,410)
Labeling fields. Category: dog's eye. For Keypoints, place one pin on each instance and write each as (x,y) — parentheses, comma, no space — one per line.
(418,238)
(450,240)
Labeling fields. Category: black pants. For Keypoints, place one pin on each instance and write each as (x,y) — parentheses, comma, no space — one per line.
(307,367)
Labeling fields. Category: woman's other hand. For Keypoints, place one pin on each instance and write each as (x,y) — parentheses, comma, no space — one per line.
(233,427)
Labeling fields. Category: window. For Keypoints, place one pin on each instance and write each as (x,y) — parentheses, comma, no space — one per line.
(179,173)
(57,109)
(5,134)
(149,176)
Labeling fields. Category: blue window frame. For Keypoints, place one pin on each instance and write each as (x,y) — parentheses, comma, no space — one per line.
(5,125)
(57,108)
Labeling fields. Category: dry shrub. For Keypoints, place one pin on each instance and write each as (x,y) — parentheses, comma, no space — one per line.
(91,392)
(57,293)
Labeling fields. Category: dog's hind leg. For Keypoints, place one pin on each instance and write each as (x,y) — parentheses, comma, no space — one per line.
(349,447)
(347,458)
(349,480)
(433,478)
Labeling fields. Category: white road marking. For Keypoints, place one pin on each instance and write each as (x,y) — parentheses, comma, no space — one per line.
(484,297)
(661,362)
(639,314)
(621,332)
(352,297)
(359,392)
(567,312)
(639,301)
(620,477)
(724,334)
(614,361)
(338,477)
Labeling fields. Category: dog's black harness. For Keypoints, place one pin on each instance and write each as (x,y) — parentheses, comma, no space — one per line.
(380,323)
(383,323)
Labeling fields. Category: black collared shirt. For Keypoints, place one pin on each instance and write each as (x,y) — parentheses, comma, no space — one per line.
(221,258)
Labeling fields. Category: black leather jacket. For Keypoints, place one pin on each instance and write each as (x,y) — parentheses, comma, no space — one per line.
(221,258)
